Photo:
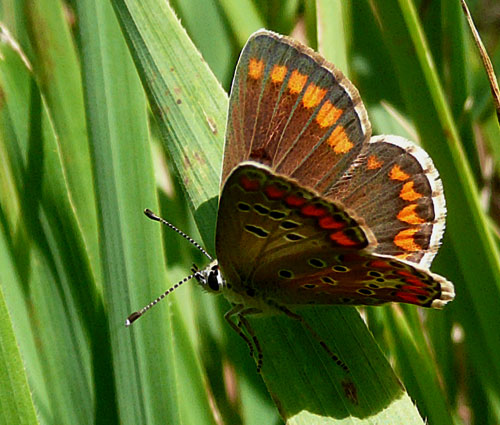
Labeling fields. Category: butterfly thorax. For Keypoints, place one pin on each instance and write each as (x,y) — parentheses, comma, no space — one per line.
(213,280)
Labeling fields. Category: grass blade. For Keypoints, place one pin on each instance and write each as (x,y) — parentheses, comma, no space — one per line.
(475,251)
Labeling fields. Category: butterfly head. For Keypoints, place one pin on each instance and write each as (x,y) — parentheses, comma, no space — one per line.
(210,278)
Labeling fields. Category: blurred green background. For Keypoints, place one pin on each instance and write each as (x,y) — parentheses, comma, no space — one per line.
(106,108)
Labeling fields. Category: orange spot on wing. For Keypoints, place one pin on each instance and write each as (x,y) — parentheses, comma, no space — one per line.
(249,185)
(313,96)
(415,290)
(255,68)
(274,192)
(328,114)
(408,193)
(297,82)
(410,278)
(330,223)
(374,163)
(408,215)
(397,173)
(339,140)
(313,211)
(405,240)
(295,201)
(415,281)
(380,264)
(409,298)
(342,239)
(278,73)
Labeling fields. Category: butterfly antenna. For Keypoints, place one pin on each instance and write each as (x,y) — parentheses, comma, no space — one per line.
(153,216)
(134,316)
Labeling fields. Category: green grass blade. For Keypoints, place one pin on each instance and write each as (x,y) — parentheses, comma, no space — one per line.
(333,32)
(174,78)
(206,25)
(16,405)
(475,251)
(61,86)
(457,85)
(147,383)
(417,368)
(243,17)
(48,300)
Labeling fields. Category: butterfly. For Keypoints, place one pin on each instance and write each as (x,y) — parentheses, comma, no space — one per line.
(313,209)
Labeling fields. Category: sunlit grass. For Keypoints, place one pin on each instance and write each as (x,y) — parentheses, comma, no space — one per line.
(106,83)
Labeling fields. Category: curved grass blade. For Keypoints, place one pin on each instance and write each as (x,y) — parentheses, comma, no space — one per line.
(61,86)
(150,386)
(476,254)
(47,300)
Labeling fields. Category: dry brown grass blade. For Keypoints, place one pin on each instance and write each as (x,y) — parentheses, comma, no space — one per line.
(485,58)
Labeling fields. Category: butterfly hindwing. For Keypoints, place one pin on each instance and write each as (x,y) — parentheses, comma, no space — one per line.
(294,112)
(394,186)
(326,277)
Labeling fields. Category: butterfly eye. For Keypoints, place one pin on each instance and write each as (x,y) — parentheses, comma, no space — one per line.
(213,280)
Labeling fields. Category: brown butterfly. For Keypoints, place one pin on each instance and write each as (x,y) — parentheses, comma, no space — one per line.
(313,210)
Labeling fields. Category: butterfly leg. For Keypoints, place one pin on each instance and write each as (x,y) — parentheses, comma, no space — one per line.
(246,324)
(236,310)
(315,335)
(243,325)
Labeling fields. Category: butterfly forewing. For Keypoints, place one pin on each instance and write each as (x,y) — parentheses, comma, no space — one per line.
(304,131)
(293,111)
(296,113)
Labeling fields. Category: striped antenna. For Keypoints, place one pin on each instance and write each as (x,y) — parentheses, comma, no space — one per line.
(153,216)
(134,316)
